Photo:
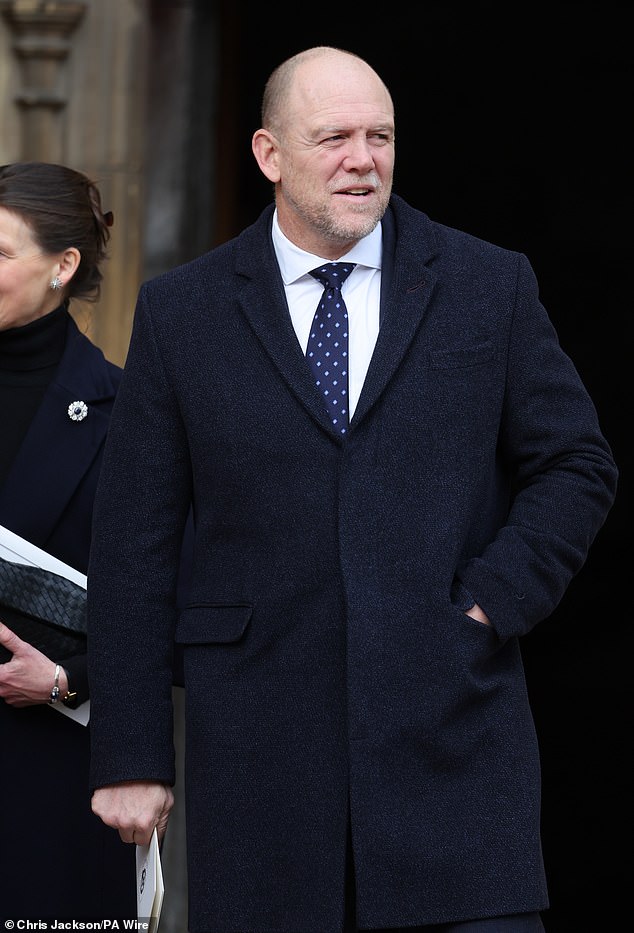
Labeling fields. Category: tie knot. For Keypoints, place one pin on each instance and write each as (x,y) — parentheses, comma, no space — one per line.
(333,274)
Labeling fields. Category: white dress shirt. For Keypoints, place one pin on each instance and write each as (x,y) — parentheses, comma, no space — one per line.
(361,292)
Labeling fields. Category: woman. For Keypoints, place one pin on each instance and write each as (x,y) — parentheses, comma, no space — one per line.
(57,860)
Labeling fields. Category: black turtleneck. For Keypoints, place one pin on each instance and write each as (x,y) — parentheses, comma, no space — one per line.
(29,357)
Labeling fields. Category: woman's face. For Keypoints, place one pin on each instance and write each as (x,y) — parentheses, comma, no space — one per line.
(25,274)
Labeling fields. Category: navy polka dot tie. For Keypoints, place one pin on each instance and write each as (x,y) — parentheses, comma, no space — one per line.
(327,351)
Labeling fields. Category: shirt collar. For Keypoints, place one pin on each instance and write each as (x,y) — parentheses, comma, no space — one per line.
(295,262)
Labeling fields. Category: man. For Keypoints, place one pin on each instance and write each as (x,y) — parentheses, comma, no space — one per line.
(360,749)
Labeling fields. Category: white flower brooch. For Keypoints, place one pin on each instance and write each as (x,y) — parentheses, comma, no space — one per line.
(77,411)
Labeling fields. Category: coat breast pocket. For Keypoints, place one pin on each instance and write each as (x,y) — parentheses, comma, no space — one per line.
(463,357)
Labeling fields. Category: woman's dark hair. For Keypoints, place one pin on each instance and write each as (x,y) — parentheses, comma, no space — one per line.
(63,209)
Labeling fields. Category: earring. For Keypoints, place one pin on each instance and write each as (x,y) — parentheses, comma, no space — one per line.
(56,283)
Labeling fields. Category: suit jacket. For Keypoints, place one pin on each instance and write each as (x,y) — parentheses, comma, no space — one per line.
(331,674)
(48,499)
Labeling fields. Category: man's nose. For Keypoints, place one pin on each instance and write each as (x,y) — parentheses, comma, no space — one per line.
(359,155)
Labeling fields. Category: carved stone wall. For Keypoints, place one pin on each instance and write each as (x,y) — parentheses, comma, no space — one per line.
(124,91)
(73,90)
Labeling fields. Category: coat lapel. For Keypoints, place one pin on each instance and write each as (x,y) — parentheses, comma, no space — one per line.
(407,285)
(57,451)
(263,302)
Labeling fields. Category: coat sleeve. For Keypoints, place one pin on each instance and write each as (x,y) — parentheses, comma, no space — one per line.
(141,508)
(565,476)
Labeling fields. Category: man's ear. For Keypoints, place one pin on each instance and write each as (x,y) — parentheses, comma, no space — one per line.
(266,151)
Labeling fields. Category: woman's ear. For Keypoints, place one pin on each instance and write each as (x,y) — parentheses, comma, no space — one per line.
(266,151)
(68,264)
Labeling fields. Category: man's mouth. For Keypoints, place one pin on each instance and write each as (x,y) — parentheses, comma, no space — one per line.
(357,192)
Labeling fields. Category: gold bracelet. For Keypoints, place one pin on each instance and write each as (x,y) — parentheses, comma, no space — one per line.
(54,697)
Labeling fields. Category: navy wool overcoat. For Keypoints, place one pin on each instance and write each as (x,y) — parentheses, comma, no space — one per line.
(47,499)
(332,676)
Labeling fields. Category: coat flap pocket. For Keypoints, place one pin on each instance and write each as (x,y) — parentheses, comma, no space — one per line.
(201,625)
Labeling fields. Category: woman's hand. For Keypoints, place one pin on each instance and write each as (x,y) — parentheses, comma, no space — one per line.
(28,678)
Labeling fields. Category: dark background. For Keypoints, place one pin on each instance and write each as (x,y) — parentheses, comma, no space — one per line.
(513,123)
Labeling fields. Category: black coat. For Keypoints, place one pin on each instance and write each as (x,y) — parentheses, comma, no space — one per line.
(330,670)
(56,858)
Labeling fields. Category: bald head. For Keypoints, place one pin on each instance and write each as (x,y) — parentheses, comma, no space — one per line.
(309,73)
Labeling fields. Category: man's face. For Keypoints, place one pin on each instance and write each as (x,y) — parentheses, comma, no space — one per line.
(335,156)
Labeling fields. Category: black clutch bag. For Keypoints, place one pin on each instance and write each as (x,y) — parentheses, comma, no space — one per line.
(44,609)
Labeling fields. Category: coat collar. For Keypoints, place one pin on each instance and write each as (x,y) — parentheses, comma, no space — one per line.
(407,286)
(57,451)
